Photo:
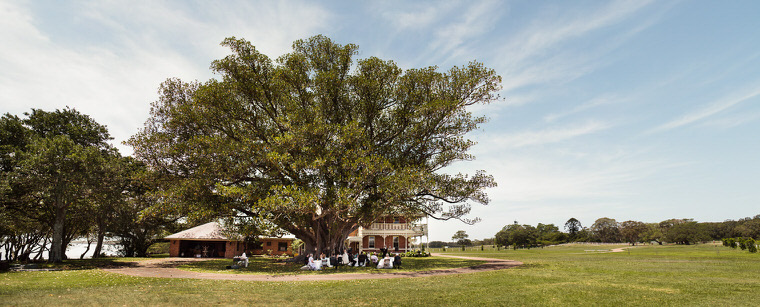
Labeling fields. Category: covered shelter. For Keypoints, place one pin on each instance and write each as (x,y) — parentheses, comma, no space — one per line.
(210,241)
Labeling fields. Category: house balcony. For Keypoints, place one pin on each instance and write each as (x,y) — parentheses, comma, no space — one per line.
(388,229)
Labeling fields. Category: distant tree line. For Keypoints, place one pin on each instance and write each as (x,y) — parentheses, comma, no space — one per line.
(607,230)
(60,180)
(460,243)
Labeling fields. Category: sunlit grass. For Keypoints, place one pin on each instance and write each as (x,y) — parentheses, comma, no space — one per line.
(703,275)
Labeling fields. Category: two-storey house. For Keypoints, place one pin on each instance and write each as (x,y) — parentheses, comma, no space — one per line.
(392,232)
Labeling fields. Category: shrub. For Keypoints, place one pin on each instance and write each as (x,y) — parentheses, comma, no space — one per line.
(731,242)
(415,253)
(751,245)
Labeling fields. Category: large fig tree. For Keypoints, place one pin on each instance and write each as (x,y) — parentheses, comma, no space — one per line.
(316,142)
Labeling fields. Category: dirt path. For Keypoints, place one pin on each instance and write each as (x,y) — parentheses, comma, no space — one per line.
(166,268)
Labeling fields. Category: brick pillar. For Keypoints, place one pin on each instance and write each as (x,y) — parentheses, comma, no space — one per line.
(174,248)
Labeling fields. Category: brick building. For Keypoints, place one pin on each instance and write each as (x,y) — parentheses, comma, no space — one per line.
(208,240)
(395,233)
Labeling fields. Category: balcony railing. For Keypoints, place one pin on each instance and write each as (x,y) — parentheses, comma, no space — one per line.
(389,226)
(417,228)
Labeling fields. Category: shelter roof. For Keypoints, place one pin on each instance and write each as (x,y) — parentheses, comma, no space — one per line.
(211,231)
(208,231)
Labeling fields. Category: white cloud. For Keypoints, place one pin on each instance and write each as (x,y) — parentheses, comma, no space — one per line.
(734,121)
(115,81)
(415,17)
(456,37)
(597,101)
(549,135)
(711,109)
(544,52)
(543,36)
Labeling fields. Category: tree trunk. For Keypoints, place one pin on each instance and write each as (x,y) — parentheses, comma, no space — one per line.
(89,242)
(64,245)
(99,245)
(56,250)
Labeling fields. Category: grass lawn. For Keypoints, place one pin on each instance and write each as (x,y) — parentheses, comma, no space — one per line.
(265,266)
(652,275)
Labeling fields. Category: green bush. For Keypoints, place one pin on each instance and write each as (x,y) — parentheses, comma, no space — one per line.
(742,243)
(415,253)
(731,242)
(751,245)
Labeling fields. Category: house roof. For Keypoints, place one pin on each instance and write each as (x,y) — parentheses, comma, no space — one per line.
(208,231)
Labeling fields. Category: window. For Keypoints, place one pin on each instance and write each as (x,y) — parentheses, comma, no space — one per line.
(269,243)
(282,246)
(371,242)
(396,220)
(395,243)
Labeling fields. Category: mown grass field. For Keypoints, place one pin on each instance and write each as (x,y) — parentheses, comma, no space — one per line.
(703,275)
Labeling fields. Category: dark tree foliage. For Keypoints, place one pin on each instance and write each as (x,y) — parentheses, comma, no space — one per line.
(606,230)
(633,231)
(517,235)
(685,231)
(461,237)
(51,162)
(573,226)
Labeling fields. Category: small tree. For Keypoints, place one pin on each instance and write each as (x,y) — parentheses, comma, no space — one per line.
(751,245)
(573,226)
(606,230)
(731,242)
(632,231)
(461,238)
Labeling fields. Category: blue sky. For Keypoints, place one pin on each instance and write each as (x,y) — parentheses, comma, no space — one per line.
(633,110)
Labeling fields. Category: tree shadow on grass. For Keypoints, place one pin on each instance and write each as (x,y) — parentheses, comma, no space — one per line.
(268,266)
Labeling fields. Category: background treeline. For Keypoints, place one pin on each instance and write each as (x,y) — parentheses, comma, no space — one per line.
(607,230)
(60,180)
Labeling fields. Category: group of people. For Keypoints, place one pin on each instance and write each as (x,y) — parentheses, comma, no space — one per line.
(385,261)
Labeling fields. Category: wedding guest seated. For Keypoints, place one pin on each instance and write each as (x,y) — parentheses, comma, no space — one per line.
(334,261)
(354,260)
(244,260)
(385,263)
(324,260)
(397,261)
(362,259)
(312,265)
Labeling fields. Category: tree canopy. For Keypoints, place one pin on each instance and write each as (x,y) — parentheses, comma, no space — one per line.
(606,230)
(461,237)
(573,226)
(60,180)
(316,142)
(52,166)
